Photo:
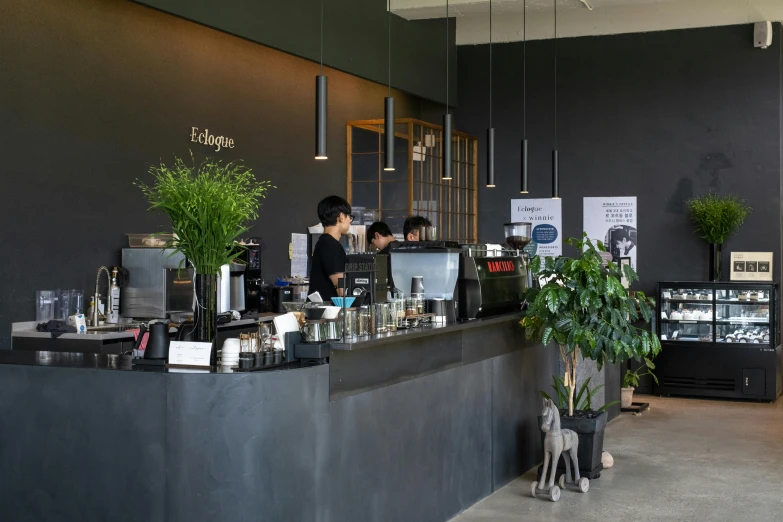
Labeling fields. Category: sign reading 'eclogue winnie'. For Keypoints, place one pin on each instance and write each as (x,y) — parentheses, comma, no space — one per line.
(205,138)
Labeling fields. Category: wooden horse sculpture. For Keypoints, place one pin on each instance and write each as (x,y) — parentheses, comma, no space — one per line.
(558,441)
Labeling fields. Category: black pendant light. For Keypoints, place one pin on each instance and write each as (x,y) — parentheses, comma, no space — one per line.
(447,122)
(490,130)
(555,156)
(320,102)
(523,189)
(388,113)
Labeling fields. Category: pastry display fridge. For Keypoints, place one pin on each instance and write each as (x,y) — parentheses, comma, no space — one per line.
(719,339)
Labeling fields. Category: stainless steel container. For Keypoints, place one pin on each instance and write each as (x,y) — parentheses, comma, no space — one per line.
(334,330)
(314,331)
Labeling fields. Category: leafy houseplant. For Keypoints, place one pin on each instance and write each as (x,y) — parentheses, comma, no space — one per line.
(631,381)
(585,309)
(210,205)
(716,218)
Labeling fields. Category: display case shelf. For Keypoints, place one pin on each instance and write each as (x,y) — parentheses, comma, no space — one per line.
(719,338)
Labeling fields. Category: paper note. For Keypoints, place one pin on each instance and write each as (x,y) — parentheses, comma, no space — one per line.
(186,353)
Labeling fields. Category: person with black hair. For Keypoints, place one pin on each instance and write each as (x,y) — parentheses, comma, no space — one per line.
(329,255)
(381,237)
(410,228)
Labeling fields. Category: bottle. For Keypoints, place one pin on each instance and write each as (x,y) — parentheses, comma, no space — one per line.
(113,308)
(90,311)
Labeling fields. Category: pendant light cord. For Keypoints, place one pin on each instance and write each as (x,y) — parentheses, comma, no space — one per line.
(490,64)
(524,70)
(322,37)
(447,56)
(388,17)
(555,41)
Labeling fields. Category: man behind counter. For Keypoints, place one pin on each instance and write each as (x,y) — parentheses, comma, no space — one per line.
(410,228)
(380,236)
(329,255)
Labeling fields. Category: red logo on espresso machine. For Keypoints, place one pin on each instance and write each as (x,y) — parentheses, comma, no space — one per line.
(501,266)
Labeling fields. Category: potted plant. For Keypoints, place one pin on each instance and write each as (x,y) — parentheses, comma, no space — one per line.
(210,205)
(631,381)
(584,309)
(717,217)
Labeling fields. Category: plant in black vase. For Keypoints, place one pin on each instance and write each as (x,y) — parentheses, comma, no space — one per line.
(716,218)
(584,309)
(210,205)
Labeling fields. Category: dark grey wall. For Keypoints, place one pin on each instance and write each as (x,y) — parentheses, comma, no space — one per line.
(355,37)
(661,116)
(94,91)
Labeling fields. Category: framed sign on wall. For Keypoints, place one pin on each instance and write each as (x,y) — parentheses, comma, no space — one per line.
(751,266)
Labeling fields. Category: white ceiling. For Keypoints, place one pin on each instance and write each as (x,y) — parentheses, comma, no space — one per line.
(575,18)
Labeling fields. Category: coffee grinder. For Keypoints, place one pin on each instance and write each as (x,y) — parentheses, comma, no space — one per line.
(518,236)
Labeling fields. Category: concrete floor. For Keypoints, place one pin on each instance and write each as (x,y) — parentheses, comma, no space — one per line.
(683,460)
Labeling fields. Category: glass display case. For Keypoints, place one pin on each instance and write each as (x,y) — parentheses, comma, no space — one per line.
(719,339)
(718,313)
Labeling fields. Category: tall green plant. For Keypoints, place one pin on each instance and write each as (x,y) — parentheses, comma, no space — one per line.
(585,309)
(717,217)
(210,205)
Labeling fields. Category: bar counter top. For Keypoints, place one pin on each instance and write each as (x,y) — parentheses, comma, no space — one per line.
(423,331)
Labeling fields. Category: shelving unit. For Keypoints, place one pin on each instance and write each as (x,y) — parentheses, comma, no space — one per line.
(718,344)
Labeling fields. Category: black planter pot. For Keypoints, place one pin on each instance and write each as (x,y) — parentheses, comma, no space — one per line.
(591,444)
(715,261)
(205,315)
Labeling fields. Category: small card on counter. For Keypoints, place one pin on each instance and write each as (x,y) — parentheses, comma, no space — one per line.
(189,354)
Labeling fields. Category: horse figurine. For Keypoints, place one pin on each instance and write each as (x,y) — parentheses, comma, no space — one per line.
(558,441)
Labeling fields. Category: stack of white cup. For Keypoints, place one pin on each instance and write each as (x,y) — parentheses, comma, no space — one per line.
(230,352)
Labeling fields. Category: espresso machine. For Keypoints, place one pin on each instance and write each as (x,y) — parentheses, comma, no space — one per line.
(433,265)
(493,285)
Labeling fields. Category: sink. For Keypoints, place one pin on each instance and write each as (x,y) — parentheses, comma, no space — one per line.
(110,328)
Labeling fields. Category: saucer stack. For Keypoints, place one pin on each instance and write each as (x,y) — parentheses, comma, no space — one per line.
(230,352)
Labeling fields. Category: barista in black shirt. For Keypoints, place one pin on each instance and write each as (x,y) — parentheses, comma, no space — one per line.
(380,236)
(329,255)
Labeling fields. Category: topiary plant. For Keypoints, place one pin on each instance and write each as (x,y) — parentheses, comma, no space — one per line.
(585,309)
(717,217)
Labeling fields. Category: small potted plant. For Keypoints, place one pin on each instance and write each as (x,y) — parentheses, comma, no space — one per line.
(631,381)
(210,204)
(584,309)
(716,218)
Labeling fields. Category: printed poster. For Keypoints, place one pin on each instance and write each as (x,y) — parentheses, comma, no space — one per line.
(613,221)
(546,216)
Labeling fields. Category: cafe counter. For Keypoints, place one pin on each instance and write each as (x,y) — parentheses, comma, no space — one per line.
(415,425)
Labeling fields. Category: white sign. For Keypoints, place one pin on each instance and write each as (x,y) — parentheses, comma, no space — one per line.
(751,266)
(185,353)
(613,222)
(546,216)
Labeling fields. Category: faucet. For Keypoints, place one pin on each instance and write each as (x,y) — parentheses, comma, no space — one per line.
(97,296)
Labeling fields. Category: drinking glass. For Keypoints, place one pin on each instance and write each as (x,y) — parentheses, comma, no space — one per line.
(77,301)
(45,301)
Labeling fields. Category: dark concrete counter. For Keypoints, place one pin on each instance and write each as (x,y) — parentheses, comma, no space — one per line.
(440,420)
